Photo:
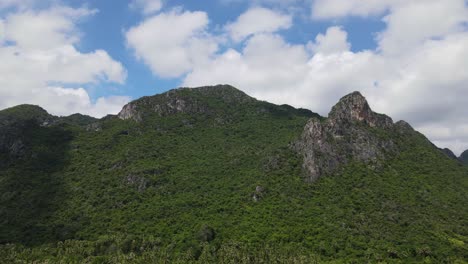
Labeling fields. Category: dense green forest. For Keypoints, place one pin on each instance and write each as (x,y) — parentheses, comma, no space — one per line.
(217,184)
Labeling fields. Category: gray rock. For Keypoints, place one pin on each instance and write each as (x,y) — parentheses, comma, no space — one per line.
(139,182)
(96,127)
(258,194)
(17,149)
(347,134)
(259,189)
(129,111)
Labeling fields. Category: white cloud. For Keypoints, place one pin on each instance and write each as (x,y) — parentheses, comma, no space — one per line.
(2,31)
(16,3)
(271,69)
(258,20)
(421,78)
(44,29)
(147,7)
(264,2)
(40,52)
(326,9)
(411,23)
(77,100)
(265,68)
(172,43)
(334,41)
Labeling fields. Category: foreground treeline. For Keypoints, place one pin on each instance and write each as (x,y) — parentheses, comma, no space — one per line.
(115,250)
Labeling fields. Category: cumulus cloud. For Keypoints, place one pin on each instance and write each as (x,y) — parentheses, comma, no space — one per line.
(412,23)
(417,72)
(17,4)
(326,9)
(38,50)
(2,31)
(44,29)
(147,7)
(258,20)
(77,100)
(259,69)
(334,41)
(264,2)
(172,43)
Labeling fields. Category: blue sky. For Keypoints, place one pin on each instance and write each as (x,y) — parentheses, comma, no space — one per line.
(105,30)
(408,57)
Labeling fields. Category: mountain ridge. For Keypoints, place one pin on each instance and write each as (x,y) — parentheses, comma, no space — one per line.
(216,181)
(183,100)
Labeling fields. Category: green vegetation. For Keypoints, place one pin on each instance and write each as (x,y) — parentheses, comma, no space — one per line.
(180,189)
(464,157)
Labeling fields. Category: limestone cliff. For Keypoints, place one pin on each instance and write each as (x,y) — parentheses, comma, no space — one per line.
(352,132)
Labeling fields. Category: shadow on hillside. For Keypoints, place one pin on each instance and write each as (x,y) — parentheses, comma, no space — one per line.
(31,186)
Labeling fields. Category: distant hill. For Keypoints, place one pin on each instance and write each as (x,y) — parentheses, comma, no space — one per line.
(464,157)
(212,175)
(449,153)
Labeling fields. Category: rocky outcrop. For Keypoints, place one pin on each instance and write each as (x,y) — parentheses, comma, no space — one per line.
(129,111)
(352,132)
(354,107)
(139,182)
(464,157)
(202,100)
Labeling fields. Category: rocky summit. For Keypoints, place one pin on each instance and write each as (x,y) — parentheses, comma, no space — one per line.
(352,132)
(212,175)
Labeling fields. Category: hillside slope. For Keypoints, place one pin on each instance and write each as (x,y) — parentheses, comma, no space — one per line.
(464,157)
(213,175)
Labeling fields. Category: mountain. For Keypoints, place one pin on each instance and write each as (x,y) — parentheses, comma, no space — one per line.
(464,157)
(212,175)
(449,153)
(349,133)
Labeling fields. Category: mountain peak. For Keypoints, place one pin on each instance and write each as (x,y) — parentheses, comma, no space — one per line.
(24,112)
(184,100)
(329,144)
(354,107)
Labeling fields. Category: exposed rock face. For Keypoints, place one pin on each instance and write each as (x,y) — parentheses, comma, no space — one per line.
(464,157)
(349,133)
(183,100)
(354,107)
(129,111)
(139,182)
(258,194)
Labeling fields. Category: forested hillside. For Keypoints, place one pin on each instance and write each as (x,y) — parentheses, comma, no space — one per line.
(211,175)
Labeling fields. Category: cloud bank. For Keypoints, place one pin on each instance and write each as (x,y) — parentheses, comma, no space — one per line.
(41,65)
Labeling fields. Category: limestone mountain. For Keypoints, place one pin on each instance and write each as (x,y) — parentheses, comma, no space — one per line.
(204,100)
(212,175)
(351,132)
